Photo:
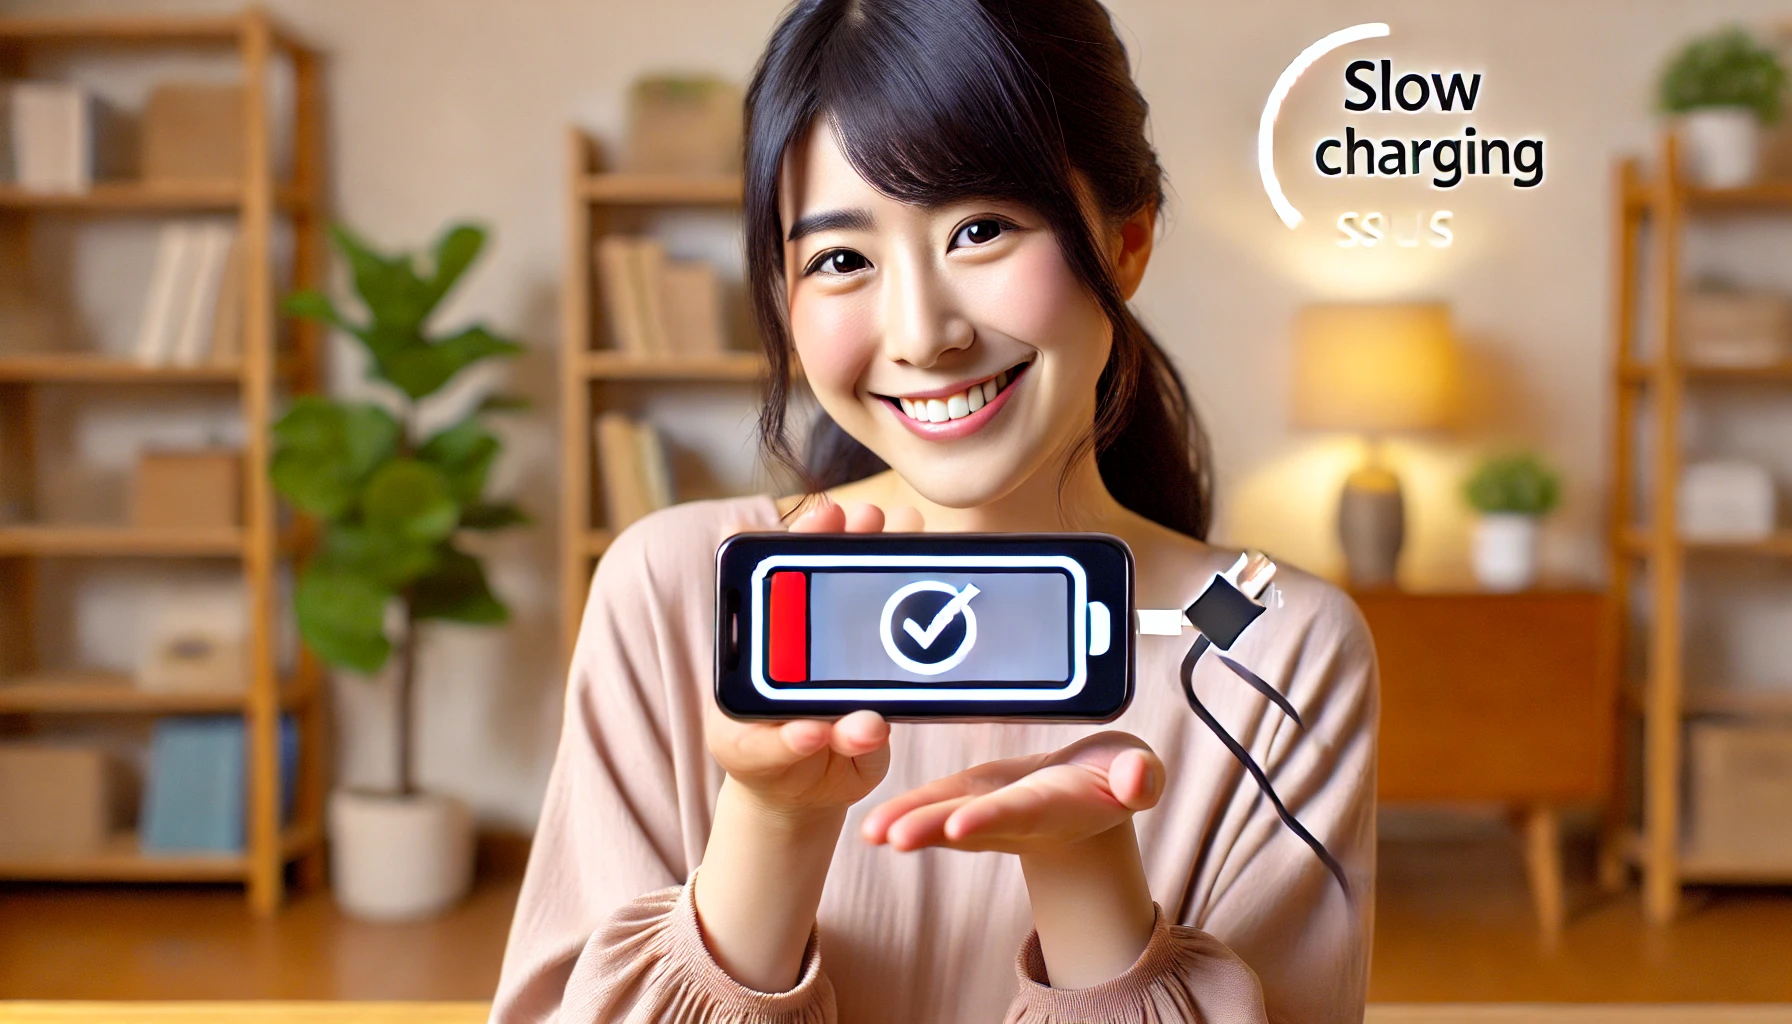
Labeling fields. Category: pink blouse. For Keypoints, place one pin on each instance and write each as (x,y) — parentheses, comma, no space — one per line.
(1251,926)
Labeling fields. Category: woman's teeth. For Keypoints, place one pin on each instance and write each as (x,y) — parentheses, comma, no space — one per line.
(954,407)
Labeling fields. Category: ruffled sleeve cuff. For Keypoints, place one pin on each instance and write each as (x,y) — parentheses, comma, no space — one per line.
(1184,975)
(649,963)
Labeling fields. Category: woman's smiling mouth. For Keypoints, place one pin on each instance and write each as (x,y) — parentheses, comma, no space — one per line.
(950,415)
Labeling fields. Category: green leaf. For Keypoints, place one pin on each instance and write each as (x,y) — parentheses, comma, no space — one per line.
(390,559)
(312,305)
(342,617)
(455,252)
(464,453)
(456,590)
(324,451)
(421,370)
(389,286)
(504,403)
(492,516)
(411,499)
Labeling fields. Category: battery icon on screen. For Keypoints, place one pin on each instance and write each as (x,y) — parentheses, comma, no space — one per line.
(788,659)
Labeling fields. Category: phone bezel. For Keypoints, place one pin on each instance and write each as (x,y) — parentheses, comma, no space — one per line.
(1106,561)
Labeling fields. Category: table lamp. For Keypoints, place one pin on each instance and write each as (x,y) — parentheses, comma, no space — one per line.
(1373,369)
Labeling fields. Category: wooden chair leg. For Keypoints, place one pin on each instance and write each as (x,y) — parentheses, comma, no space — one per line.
(1543,866)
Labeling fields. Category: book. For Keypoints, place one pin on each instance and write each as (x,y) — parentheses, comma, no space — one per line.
(632,467)
(650,273)
(167,285)
(227,323)
(691,298)
(49,122)
(193,338)
(656,469)
(618,266)
(619,470)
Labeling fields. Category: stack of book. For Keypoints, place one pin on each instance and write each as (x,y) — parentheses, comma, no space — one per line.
(60,137)
(659,308)
(632,466)
(193,311)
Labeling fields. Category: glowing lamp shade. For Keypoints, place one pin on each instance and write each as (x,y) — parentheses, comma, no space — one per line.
(1375,368)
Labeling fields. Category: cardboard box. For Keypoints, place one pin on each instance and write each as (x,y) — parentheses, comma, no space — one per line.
(55,801)
(683,126)
(1723,328)
(188,490)
(192,132)
(1741,794)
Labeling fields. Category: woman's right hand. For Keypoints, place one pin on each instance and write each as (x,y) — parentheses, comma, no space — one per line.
(780,811)
(800,767)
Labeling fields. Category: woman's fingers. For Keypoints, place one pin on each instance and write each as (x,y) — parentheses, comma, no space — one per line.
(859,734)
(864,517)
(984,778)
(903,519)
(925,825)
(1062,802)
(1136,778)
(825,517)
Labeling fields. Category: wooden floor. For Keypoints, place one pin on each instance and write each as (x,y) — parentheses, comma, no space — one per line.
(1453,924)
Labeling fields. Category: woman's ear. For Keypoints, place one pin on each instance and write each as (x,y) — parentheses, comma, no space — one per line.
(1130,249)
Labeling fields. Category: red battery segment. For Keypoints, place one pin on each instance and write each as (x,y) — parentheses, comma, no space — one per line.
(788,627)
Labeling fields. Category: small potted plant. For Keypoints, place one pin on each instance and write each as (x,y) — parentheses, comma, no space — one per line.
(1723,87)
(392,503)
(1511,493)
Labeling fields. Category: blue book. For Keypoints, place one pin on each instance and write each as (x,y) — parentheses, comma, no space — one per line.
(196,795)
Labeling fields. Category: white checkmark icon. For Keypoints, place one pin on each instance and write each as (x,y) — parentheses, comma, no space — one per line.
(941,619)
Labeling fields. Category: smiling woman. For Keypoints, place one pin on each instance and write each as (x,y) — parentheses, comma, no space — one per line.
(950,253)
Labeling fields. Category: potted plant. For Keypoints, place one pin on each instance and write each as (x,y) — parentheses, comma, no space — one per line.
(392,504)
(1724,87)
(1511,493)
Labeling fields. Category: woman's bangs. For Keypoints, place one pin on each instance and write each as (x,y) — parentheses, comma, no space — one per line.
(940,109)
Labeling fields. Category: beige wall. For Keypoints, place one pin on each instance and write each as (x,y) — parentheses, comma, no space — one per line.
(449,108)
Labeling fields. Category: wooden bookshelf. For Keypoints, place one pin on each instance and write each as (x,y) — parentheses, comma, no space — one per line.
(1651,391)
(113,693)
(594,371)
(265,372)
(138,197)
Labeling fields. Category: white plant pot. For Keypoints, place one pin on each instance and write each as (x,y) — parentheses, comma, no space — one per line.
(398,858)
(1722,146)
(1506,551)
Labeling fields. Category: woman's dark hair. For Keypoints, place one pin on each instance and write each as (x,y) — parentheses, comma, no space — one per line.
(941,101)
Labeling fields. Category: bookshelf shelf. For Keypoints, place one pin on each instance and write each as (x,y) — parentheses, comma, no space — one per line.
(660,189)
(95,368)
(123,861)
(136,197)
(1639,543)
(1645,373)
(265,214)
(741,366)
(101,541)
(114,693)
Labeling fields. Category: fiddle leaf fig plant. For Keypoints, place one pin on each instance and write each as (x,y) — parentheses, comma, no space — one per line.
(392,502)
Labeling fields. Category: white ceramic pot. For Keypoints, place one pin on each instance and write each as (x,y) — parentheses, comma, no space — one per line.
(1506,551)
(1722,146)
(396,858)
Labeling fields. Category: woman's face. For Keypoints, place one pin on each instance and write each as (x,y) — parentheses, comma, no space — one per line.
(955,342)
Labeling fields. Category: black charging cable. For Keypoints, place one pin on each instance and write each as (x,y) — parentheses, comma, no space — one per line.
(1221,613)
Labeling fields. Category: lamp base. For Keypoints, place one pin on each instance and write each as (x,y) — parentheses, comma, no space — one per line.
(1371,526)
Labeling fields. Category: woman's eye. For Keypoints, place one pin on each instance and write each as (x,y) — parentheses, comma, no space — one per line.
(978,232)
(839,261)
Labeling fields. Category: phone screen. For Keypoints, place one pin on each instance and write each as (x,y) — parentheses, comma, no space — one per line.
(972,621)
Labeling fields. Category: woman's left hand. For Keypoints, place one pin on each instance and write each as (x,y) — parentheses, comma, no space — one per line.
(1026,805)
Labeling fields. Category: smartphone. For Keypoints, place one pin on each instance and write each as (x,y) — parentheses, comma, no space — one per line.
(925,625)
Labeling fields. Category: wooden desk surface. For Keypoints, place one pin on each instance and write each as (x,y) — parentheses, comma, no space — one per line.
(475,1013)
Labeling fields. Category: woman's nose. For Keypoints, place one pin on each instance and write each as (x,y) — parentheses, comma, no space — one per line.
(922,321)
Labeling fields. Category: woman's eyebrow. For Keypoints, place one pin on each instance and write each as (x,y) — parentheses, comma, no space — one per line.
(831,220)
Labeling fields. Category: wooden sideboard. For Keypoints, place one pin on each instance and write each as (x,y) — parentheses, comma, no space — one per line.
(1499,698)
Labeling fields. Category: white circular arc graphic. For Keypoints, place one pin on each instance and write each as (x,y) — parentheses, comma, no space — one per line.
(1272,108)
(923,668)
